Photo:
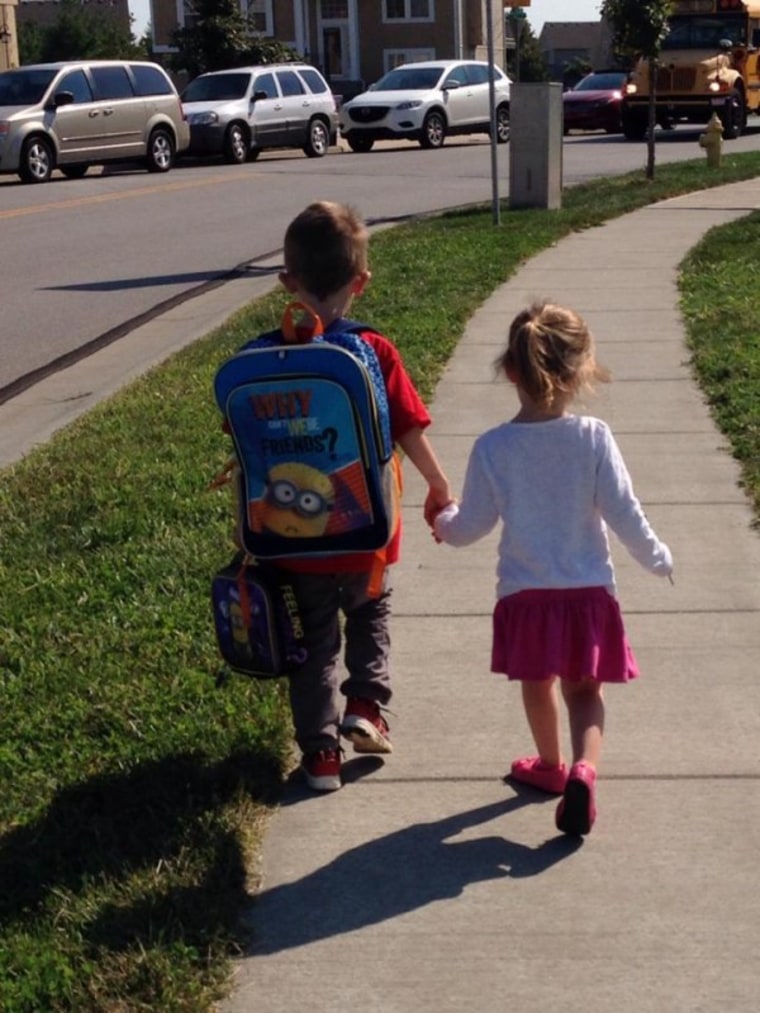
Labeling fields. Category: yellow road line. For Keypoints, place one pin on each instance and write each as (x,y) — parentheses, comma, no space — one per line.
(78,202)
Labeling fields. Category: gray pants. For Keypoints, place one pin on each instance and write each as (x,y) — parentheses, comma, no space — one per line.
(315,691)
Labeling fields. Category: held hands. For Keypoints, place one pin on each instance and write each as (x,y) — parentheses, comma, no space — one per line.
(438,497)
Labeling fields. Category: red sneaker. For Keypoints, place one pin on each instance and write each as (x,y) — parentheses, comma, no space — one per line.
(321,770)
(577,810)
(365,726)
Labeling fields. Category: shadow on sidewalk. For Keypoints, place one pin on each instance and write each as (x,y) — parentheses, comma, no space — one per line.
(392,875)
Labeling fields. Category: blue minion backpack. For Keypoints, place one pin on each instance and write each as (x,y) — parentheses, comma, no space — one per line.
(314,465)
(311,429)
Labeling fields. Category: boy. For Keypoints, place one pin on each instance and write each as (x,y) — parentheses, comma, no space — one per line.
(325,268)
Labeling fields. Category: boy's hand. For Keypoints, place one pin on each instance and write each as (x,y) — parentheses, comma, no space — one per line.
(437,498)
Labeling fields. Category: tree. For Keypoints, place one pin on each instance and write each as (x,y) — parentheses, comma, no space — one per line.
(532,63)
(638,30)
(220,37)
(78,33)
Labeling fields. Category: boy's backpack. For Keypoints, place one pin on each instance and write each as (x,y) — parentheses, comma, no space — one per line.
(311,428)
(256,619)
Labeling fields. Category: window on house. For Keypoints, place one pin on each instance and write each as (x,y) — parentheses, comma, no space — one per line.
(394,57)
(408,10)
(260,15)
(334,9)
(189,17)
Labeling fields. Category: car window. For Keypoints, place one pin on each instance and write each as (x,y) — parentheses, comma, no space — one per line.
(458,75)
(315,81)
(24,87)
(409,79)
(76,82)
(477,73)
(150,80)
(600,82)
(217,88)
(290,83)
(265,83)
(111,82)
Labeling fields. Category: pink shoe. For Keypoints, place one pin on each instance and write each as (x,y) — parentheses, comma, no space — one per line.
(577,810)
(533,771)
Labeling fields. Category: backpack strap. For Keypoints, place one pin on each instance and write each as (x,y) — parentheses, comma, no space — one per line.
(345,334)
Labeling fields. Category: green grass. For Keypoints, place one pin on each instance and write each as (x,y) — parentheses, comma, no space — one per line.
(134,790)
(721,305)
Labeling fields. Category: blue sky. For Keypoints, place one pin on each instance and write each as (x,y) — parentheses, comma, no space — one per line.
(538,12)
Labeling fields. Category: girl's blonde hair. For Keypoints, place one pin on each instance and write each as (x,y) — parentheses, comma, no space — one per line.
(550,350)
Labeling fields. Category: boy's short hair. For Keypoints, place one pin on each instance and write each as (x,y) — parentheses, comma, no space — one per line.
(326,247)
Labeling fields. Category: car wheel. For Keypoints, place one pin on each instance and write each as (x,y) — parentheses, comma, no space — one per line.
(433,130)
(36,161)
(160,157)
(359,143)
(318,142)
(74,171)
(733,116)
(502,124)
(236,144)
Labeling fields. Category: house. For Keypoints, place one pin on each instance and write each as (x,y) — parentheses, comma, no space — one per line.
(354,42)
(569,42)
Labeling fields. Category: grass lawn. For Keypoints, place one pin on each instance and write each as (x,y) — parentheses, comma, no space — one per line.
(134,790)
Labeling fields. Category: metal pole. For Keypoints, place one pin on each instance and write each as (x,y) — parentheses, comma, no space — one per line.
(496,211)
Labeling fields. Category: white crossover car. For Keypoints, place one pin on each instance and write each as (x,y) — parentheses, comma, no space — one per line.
(426,102)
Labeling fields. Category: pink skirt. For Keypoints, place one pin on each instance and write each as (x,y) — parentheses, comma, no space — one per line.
(574,633)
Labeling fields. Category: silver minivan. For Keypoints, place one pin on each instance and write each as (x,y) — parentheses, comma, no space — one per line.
(72,115)
(239,112)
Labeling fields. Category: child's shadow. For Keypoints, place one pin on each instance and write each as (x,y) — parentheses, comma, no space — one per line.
(392,875)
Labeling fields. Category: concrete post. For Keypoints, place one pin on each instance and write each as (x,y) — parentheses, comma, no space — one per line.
(535,146)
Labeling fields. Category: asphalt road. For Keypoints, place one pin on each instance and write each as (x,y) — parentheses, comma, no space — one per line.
(91,259)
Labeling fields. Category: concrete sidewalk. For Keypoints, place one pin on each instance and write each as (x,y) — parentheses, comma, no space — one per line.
(427,883)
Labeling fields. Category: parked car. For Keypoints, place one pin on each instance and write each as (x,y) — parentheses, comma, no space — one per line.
(73,115)
(595,102)
(426,102)
(237,113)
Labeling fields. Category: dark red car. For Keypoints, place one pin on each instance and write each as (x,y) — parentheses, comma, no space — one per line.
(595,102)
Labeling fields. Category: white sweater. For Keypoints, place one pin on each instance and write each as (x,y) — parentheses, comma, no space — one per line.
(556,485)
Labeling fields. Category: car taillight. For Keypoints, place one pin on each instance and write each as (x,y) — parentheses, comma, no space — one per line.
(4,128)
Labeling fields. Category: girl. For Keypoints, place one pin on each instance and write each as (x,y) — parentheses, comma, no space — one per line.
(555,480)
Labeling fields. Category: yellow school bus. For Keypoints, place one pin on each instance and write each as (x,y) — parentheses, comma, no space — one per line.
(709,62)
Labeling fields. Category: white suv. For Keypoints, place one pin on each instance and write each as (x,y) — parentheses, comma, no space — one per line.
(427,101)
(238,112)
